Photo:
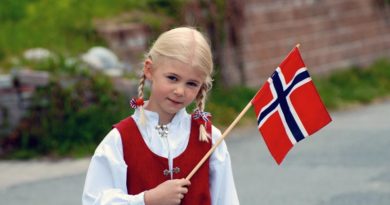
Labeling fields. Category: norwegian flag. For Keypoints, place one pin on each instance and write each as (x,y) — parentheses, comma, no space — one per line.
(288,107)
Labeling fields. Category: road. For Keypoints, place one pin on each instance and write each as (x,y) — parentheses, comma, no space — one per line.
(347,162)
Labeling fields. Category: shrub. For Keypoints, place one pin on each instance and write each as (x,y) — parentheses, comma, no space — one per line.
(355,85)
(71,121)
(226,103)
(66,121)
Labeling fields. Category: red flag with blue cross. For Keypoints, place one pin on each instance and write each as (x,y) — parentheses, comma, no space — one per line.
(288,107)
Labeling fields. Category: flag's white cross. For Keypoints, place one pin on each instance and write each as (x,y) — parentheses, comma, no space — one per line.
(281,103)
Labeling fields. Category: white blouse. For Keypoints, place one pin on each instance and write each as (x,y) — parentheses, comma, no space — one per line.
(106,177)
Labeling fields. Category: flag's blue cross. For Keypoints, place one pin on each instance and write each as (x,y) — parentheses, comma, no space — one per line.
(281,99)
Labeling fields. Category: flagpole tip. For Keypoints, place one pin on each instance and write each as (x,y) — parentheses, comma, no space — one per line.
(298,45)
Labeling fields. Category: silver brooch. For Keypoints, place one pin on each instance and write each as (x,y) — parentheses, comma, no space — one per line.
(162,130)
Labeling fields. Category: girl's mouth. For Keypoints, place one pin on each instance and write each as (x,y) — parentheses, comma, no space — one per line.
(175,102)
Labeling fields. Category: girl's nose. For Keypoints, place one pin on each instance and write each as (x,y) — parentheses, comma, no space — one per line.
(179,91)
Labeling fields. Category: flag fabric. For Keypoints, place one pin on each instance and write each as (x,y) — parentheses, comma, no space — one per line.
(288,107)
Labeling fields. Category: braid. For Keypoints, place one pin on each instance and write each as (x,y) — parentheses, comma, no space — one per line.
(200,104)
(141,95)
(141,85)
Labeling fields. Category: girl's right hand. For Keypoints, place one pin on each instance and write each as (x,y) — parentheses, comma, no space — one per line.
(170,192)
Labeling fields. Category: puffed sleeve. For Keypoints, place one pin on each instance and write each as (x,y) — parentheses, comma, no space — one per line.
(105,182)
(222,187)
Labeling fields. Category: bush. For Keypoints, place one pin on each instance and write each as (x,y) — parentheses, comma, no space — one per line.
(11,10)
(66,121)
(225,104)
(71,121)
(355,85)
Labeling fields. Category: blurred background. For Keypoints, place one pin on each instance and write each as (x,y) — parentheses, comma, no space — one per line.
(68,68)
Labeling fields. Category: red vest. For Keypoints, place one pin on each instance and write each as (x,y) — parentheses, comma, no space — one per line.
(145,170)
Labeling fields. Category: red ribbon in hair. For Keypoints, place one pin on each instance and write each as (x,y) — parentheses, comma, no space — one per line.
(136,102)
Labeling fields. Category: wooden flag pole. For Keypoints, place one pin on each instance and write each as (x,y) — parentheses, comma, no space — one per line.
(227,131)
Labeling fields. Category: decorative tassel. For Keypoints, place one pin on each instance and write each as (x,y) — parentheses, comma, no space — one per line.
(138,103)
(201,117)
(203,135)
(135,103)
(142,116)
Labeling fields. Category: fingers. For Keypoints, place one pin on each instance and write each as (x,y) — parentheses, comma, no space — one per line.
(184,190)
(184,182)
(183,187)
(168,192)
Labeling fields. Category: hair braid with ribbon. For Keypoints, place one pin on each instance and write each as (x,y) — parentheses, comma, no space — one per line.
(139,102)
(200,115)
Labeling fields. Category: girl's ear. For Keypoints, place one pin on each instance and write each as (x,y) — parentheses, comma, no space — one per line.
(148,69)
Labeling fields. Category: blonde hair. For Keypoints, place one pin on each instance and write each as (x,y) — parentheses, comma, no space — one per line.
(189,46)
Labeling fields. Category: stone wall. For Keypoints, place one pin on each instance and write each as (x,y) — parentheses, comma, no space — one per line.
(333,34)
(127,40)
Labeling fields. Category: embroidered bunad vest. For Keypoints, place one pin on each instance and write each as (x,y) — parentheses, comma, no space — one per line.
(146,170)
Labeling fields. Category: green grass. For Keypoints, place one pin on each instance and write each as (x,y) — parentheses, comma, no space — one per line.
(68,26)
(226,104)
(355,85)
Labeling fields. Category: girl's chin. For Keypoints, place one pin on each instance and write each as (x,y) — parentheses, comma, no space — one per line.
(174,109)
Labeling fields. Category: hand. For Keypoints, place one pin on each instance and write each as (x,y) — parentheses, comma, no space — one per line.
(170,192)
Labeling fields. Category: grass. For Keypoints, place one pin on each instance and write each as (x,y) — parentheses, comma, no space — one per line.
(355,85)
(226,104)
(68,26)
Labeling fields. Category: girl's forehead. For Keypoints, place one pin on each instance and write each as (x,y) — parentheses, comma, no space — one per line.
(181,68)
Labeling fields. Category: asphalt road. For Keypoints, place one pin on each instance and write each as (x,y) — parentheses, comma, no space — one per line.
(346,163)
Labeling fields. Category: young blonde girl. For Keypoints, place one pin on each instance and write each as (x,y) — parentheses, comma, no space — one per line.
(145,158)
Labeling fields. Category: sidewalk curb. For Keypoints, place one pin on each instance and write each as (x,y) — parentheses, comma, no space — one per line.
(15,172)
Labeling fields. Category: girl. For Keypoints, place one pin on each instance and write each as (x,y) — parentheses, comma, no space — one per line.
(145,158)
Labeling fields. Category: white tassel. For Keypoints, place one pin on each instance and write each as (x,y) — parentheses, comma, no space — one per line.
(142,115)
(203,135)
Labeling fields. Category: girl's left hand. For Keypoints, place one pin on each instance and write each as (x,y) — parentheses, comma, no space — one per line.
(170,192)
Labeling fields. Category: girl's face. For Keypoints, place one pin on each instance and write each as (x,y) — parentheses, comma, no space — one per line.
(174,86)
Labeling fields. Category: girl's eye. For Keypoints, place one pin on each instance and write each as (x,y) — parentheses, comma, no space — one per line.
(172,78)
(192,84)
